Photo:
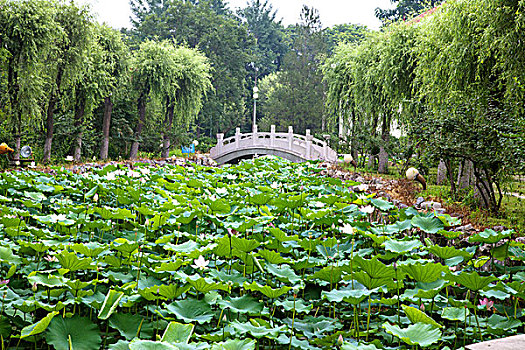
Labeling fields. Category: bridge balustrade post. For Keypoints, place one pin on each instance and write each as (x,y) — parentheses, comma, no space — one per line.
(220,143)
(325,150)
(237,137)
(254,135)
(290,137)
(272,136)
(309,138)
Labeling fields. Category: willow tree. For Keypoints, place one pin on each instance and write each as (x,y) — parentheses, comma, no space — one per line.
(469,72)
(192,83)
(178,76)
(28,32)
(113,69)
(65,59)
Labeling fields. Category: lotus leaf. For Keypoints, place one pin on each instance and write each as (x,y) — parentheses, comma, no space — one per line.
(38,327)
(490,236)
(73,333)
(191,310)
(417,334)
(427,224)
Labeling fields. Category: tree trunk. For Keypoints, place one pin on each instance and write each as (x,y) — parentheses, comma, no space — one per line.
(79,121)
(142,117)
(50,122)
(49,129)
(441,173)
(17,136)
(450,174)
(382,167)
(383,154)
(106,124)
(466,175)
(168,122)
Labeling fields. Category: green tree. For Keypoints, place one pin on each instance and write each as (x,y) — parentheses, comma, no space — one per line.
(64,61)
(28,32)
(193,82)
(220,36)
(297,99)
(113,68)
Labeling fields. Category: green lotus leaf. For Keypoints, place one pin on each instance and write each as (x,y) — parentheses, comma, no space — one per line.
(426,273)
(450,234)
(298,306)
(382,204)
(125,246)
(72,262)
(401,247)
(90,249)
(191,310)
(7,256)
(427,224)
(375,268)
(430,290)
(38,327)
(110,304)
(417,334)
(330,274)
(244,245)
(418,316)
(503,323)
(490,236)
(244,305)
(272,257)
(73,333)
(260,199)
(234,277)
(267,290)
(455,313)
(129,325)
(283,273)
(350,296)
(314,327)
(204,285)
(171,266)
(138,344)
(177,333)
(6,328)
(500,253)
(473,280)
(449,252)
(220,206)
(494,294)
(235,344)
(49,280)
(257,331)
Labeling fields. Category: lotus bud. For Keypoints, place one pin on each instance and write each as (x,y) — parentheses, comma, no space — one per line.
(34,287)
(340,340)
(413,174)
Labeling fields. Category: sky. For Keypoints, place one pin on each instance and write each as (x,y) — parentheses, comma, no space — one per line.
(116,13)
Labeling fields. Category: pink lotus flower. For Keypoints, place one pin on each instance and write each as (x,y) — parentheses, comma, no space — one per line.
(487,303)
(4,282)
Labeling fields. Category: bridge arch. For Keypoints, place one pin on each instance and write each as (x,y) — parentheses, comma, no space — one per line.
(294,147)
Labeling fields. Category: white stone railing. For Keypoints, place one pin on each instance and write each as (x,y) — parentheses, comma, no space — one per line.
(304,146)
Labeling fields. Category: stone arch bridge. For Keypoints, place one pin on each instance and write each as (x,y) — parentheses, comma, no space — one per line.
(294,147)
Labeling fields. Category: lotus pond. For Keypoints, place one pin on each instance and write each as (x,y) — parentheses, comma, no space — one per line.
(266,254)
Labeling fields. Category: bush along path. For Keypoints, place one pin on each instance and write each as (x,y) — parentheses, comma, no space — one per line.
(266,254)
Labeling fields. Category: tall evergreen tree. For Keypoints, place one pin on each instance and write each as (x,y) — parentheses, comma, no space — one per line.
(297,95)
